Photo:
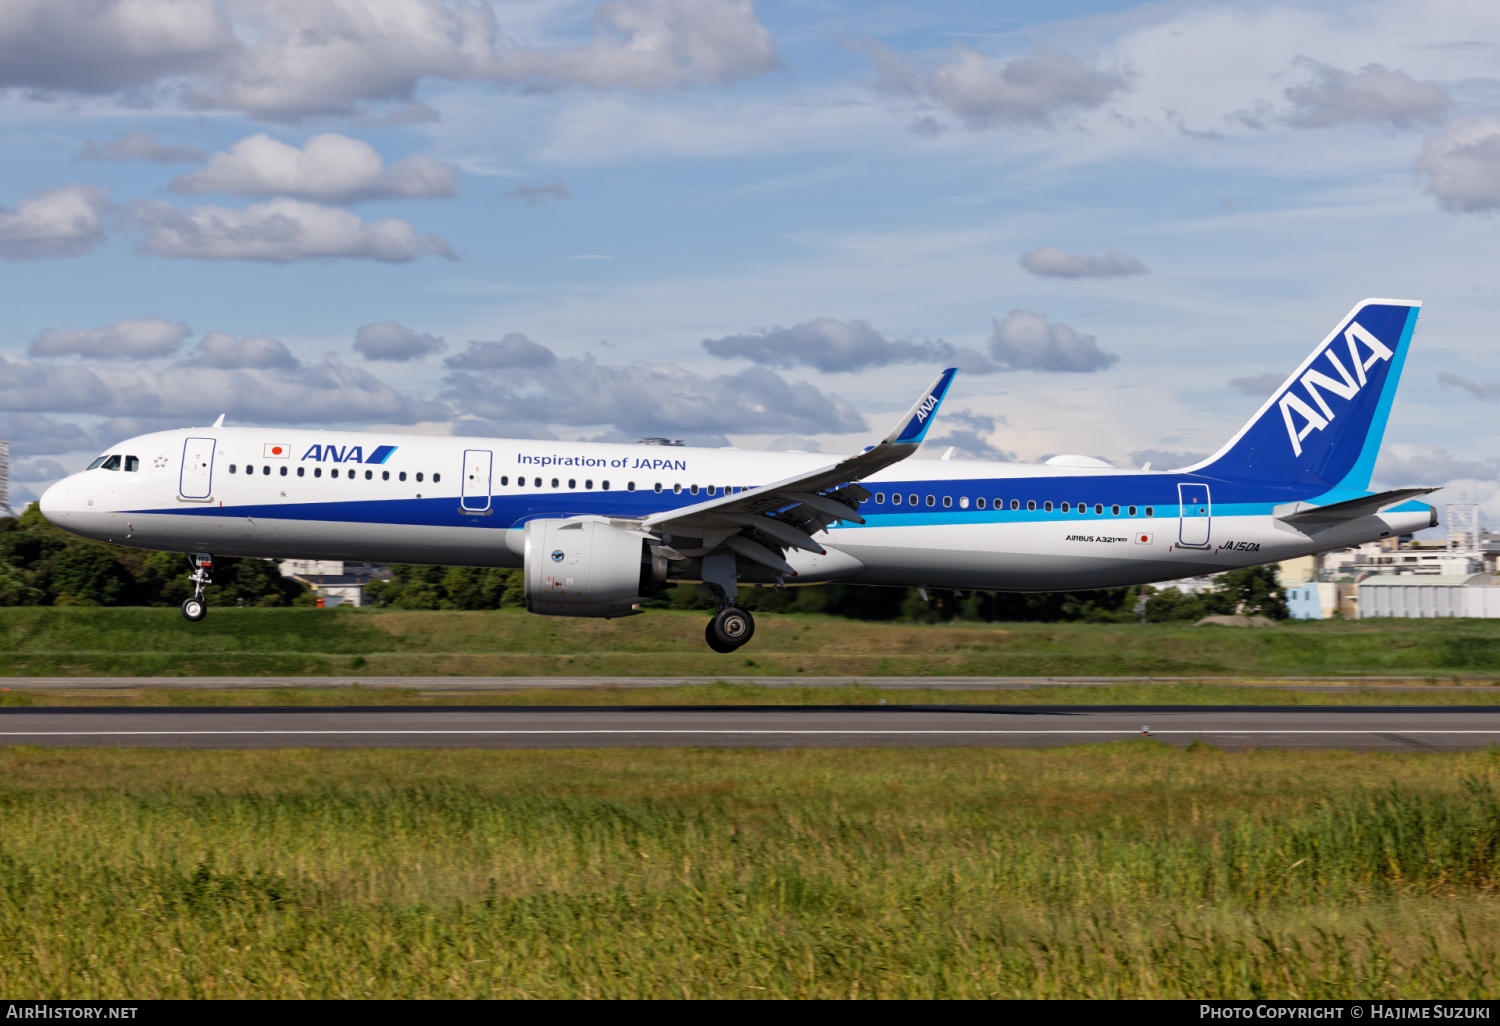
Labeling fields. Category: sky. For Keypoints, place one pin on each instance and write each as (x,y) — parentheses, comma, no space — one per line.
(766,225)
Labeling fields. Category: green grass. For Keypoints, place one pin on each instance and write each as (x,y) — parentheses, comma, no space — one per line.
(49,641)
(1125,870)
(719,693)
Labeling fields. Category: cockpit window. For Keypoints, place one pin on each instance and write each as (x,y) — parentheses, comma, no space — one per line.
(111,463)
(132,464)
(97,463)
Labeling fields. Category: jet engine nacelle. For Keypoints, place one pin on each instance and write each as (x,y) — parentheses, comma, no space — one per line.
(585,566)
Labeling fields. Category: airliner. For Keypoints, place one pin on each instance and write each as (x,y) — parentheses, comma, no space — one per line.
(600,528)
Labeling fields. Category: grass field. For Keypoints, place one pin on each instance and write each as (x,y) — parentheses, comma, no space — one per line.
(51,641)
(1120,870)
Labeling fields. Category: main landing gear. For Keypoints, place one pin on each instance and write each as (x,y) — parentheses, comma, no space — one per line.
(196,608)
(730,628)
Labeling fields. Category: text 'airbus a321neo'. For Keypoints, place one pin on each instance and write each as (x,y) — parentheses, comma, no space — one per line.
(600,528)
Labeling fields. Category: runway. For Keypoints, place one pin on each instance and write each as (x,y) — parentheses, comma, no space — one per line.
(1394,729)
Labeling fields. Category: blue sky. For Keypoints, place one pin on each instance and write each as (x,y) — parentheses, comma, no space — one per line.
(1122,219)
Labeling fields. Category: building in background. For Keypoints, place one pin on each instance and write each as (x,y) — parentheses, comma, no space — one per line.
(335,582)
(5,510)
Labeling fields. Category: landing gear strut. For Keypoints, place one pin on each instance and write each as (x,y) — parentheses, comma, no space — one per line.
(730,628)
(196,608)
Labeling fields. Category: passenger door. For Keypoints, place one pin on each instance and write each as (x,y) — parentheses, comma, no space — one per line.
(476,480)
(1197,515)
(196,479)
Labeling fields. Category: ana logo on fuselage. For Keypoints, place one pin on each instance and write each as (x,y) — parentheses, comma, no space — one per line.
(348,454)
(1346,387)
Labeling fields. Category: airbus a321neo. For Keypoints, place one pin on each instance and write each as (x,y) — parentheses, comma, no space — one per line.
(599,528)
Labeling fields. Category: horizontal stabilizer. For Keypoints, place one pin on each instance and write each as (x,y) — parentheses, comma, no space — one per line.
(1350,509)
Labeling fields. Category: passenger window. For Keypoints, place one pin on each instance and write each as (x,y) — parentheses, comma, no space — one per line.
(1015,503)
(677,489)
(1150,511)
(1031,504)
(1115,510)
(1132,511)
(554,480)
(536,482)
(317,471)
(912,499)
(604,486)
(401,476)
(630,486)
(947,502)
(97,463)
(708,489)
(132,465)
(436,478)
(231,468)
(895,498)
(572,482)
(658,486)
(963,502)
(879,498)
(1047,507)
(1099,508)
(385,475)
(266,470)
(1065,507)
(1083,507)
(979,503)
(588,484)
(369,475)
(301,471)
(693,489)
(283,471)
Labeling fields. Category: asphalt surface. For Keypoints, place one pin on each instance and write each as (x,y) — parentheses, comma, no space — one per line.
(1235,727)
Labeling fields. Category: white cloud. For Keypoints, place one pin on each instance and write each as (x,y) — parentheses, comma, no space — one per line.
(130,339)
(96,46)
(62,222)
(652,45)
(638,399)
(391,341)
(31,434)
(222,350)
(536,195)
(1026,340)
(1461,164)
(195,391)
(1257,384)
(983,92)
(332,168)
(1374,94)
(290,59)
(37,470)
(1406,464)
(139,145)
(513,351)
(279,231)
(828,345)
(1051,262)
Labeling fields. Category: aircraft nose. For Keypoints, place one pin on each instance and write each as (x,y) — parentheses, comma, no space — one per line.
(56,500)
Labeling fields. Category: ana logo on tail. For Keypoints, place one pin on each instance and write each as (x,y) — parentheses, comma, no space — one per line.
(1347,385)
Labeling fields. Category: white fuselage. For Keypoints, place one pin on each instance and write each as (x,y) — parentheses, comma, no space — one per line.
(464,501)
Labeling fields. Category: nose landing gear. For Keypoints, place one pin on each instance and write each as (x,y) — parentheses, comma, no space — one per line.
(730,628)
(196,608)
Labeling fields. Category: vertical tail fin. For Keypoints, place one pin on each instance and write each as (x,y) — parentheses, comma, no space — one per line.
(1324,424)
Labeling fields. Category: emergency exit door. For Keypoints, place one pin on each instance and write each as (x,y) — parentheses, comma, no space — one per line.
(1197,514)
(196,478)
(476,480)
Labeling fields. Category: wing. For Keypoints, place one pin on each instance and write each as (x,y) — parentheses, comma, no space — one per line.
(759,523)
